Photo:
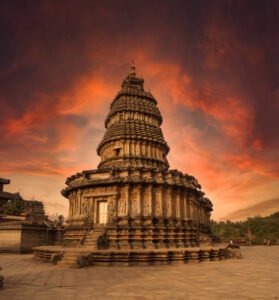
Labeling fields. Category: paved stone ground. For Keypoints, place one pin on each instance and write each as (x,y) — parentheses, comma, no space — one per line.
(256,276)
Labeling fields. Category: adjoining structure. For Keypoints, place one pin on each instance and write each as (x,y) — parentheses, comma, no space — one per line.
(14,204)
(23,223)
(133,201)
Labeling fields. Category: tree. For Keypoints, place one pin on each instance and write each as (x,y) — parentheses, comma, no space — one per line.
(259,228)
(59,220)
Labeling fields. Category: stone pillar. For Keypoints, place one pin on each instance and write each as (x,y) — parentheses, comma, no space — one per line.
(123,203)
(196,209)
(147,202)
(187,203)
(179,207)
(112,209)
(168,204)
(70,197)
(203,215)
(70,205)
(185,206)
(158,209)
(208,216)
(191,206)
(79,203)
(75,204)
(176,204)
(135,202)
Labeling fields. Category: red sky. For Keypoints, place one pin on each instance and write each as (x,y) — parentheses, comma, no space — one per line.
(212,66)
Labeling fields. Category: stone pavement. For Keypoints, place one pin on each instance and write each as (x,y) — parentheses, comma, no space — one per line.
(256,276)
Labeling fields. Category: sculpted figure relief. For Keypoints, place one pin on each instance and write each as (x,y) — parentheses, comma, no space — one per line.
(135,207)
(111,209)
(85,206)
(158,207)
(167,208)
(122,207)
(146,207)
(177,211)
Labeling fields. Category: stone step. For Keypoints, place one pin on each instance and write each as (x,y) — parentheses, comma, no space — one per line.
(69,260)
(92,238)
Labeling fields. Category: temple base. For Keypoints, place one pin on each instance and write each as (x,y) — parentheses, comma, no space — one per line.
(85,256)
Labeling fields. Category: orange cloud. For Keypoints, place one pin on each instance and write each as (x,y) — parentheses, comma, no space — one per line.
(211,68)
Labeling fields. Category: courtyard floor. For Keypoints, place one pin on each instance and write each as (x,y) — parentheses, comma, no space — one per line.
(256,276)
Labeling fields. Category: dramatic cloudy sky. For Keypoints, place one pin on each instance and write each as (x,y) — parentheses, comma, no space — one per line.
(212,65)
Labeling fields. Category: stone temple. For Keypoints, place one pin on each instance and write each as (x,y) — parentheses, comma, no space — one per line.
(133,206)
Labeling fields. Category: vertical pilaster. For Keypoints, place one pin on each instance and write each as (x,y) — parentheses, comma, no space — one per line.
(123,203)
(177,204)
(168,200)
(147,201)
(135,201)
(158,203)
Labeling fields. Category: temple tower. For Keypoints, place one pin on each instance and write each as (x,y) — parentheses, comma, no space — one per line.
(133,135)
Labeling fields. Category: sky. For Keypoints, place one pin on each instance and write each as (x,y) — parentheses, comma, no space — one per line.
(212,66)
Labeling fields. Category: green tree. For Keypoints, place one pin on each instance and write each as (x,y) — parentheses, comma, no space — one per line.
(59,220)
(256,228)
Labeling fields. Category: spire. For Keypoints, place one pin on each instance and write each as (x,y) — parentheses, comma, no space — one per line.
(132,80)
(132,69)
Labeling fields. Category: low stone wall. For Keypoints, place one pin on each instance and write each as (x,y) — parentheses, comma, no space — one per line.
(20,237)
(10,238)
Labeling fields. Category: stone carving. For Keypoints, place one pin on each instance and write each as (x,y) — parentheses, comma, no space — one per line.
(147,207)
(85,206)
(135,202)
(158,209)
(134,207)
(122,207)
(177,208)
(111,210)
(168,208)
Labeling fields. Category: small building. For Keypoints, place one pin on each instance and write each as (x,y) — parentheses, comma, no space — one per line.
(13,204)
(23,223)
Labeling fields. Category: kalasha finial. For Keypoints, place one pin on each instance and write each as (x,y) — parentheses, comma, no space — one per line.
(133,68)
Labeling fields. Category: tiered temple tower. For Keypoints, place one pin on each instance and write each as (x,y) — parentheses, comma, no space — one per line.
(133,200)
(133,136)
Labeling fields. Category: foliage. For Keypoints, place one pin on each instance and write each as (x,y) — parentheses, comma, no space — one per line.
(59,221)
(256,229)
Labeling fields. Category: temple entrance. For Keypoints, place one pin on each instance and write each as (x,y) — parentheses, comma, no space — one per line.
(102,212)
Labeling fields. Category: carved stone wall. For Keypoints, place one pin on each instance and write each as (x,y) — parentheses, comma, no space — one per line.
(138,198)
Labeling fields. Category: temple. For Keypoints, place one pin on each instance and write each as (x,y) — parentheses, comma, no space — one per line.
(133,201)
(133,195)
